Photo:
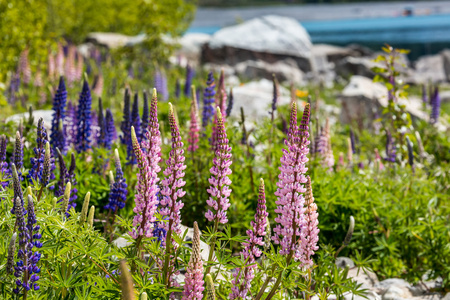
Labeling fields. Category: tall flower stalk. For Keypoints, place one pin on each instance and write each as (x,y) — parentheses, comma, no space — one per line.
(118,193)
(243,276)
(110,129)
(4,171)
(219,190)
(125,126)
(135,118)
(208,100)
(172,192)
(83,139)
(57,136)
(18,154)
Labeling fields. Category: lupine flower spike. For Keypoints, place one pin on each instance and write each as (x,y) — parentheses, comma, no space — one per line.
(18,154)
(310,232)
(172,192)
(145,197)
(17,188)
(193,287)
(4,170)
(110,129)
(84,209)
(126,282)
(210,290)
(219,190)
(435,107)
(230,103)
(11,252)
(57,136)
(290,200)
(101,139)
(135,118)
(91,216)
(188,82)
(119,192)
(208,100)
(244,276)
(194,127)
(145,117)
(83,139)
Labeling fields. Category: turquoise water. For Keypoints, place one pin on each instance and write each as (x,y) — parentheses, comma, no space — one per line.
(422,34)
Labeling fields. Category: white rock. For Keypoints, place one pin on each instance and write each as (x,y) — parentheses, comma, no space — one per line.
(396,293)
(46,115)
(111,40)
(430,68)
(256,97)
(269,34)
(368,279)
(285,70)
(446,57)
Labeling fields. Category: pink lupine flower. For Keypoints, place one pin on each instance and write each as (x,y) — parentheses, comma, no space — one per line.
(221,102)
(193,283)
(152,143)
(79,67)
(243,276)
(172,184)
(69,68)
(290,200)
(60,60)
(24,66)
(51,66)
(145,197)
(194,128)
(310,231)
(378,160)
(219,190)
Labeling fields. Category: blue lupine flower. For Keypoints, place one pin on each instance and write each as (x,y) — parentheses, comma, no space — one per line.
(161,85)
(119,192)
(83,141)
(391,149)
(110,129)
(5,174)
(18,193)
(37,162)
(29,237)
(159,232)
(145,117)
(125,126)
(435,106)
(189,76)
(352,141)
(57,136)
(67,175)
(208,100)
(135,118)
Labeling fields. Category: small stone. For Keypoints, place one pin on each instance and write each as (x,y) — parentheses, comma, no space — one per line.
(343,262)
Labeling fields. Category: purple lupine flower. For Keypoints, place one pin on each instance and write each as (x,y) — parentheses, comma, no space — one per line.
(5,174)
(125,126)
(187,84)
(135,118)
(145,197)
(172,184)
(145,116)
(193,283)
(101,122)
(391,150)
(219,190)
(29,237)
(70,124)
(310,231)
(110,129)
(290,210)
(161,85)
(13,88)
(208,100)
(119,192)
(60,60)
(435,106)
(177,89)
(243,277)
(230,103)
(57,136)
(83,140)
(73,181)
(37,162)
(194,128)
(98,85)
(409,145)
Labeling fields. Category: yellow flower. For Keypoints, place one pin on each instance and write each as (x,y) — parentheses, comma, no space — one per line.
(301,94)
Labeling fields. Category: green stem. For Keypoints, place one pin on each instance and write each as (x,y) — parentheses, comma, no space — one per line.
(280,277)
(265,284)
(212,245)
